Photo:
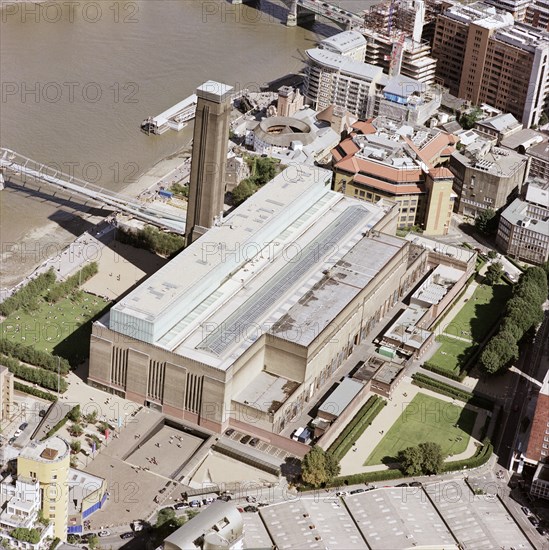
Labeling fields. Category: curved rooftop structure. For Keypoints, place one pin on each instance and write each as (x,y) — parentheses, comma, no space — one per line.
(282,131)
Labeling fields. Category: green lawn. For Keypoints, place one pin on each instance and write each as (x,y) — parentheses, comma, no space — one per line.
(62,328)
(480,313)
(452,355)
(426,419)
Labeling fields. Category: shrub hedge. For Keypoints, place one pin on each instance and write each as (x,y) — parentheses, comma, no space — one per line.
(341,446)
(56,428)
(27,296)
(34,391)
(28,354)
(42,377)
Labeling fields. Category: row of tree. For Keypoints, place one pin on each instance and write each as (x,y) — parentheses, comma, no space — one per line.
(28,297)
(67,287)
(35,375)
(33,356)
(523,312)
(319,467)
(150,238)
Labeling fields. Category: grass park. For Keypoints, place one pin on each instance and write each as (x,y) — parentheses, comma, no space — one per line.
(470,327)
(425,419)
(62,328)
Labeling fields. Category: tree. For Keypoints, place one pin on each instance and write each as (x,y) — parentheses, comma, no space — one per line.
(543,119)
(313,467)
(411,460)
(76,430)
(164,516)
(432,457)
(332,465)
(74,414)
(498,352)
(76,446)
(242,191)
(492,254)
(93,542)
(494,273)
(91,418)
(487,222)
(468,120)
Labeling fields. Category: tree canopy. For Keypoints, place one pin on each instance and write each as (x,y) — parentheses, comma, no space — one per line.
(494,273)
(427,458)
(319,467)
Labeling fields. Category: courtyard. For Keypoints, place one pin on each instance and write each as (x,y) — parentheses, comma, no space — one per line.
(426,418)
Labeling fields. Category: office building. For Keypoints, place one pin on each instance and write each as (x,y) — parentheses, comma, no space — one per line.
(383,159)
(523,230)
(517,8)
(537,449)
(6,393)
(209,158)
(537,14)
(486,176)
(245,337)
(485,57)
(539,160)
(365,91)
(48,462)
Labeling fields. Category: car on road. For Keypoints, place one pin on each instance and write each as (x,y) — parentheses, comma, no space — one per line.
(104,533)
(230,431)
(128,535)
(245,439)
(254,441)
(526,511)
(357,491)
(533,520)
(181,505)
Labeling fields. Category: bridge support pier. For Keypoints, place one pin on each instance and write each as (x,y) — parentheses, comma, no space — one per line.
(298,15)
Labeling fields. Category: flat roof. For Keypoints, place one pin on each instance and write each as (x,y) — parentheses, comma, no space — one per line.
(399,518)
(525,137)
(363,71)
(527,216)
(456,252)
(81,485)
(388,372)
(340,398)
(344,41)
(53,449)
(477,521)
(537,191)
(214,91)
(229,287)
(309,522)
(267,392)
(404,328)
(438,284)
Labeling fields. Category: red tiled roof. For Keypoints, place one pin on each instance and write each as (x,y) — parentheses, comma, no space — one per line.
(392,173)
(364,126)
(395,189)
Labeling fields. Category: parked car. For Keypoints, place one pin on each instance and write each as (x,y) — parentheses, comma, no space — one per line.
(416,484)
(136,526)
(542,531)
(254,441)
(341,494)
(162,491)
(402,485)
(250,508)
(17,433)
(195,504)
(12,440)
(230,431)
(245,439)
(181,505)
(357,491)
(128,535)
(104,533)
(251,499)
(533,520)
(23,426)
(526,510)
(41,413)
